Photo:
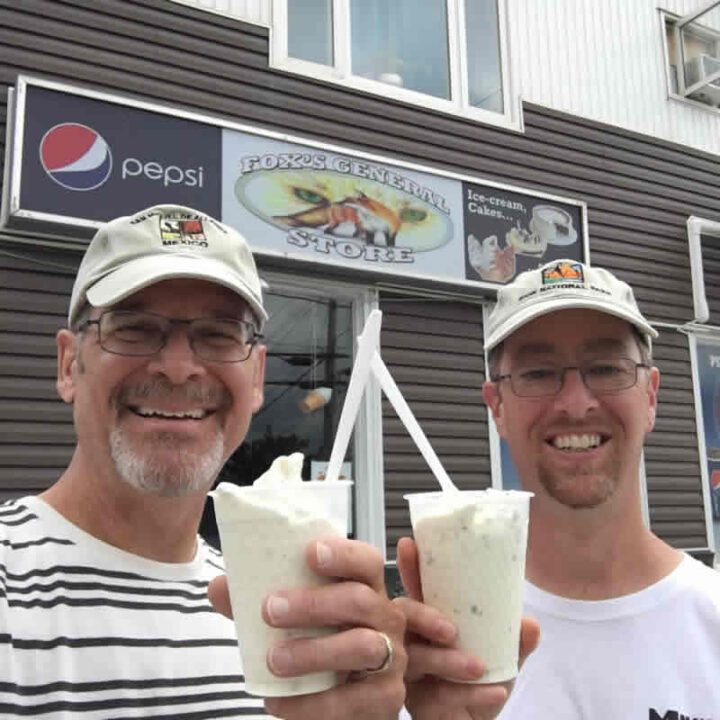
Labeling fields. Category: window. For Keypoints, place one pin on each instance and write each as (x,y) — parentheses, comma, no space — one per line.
(693,54)
(310,340)
(449,55)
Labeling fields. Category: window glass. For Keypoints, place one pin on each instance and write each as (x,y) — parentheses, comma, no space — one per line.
(483,55)
(310,30)
(700,56)
(401,43)
(309,344)
(309,358)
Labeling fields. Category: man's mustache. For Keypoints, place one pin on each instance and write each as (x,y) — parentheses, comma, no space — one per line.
(162,389)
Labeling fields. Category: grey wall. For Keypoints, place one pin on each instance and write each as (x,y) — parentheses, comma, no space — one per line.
(434,351)
(36,433)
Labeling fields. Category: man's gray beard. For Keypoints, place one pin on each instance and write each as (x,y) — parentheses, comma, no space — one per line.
(190,472)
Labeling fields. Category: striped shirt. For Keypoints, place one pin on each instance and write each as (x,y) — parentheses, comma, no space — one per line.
(88,630)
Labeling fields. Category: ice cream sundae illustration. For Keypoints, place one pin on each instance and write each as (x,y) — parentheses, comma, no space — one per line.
(491,262)
(525,242)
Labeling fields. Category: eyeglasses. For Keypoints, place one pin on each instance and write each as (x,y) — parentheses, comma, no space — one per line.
(127,332)
(603,376)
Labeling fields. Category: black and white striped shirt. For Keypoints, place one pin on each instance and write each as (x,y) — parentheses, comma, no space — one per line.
(88,630)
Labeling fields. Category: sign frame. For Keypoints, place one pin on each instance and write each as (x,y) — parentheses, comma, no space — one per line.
(709,336)
(73,230)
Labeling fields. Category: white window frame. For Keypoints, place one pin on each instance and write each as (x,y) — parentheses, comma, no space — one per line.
(340,72)
(696,228)
(684,93)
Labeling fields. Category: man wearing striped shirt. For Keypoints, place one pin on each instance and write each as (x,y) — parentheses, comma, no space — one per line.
(104,610)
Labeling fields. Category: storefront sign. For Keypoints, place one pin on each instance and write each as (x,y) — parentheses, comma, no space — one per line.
(707,367)
(79,158)
(83,159)
(508,232)
(328,206)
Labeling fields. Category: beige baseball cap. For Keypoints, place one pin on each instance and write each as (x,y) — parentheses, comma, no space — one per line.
(562,285)
(164,242)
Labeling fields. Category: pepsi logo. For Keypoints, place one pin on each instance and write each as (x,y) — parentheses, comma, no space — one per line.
(75,156)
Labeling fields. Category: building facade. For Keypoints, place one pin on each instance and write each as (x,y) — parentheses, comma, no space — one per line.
(365,177)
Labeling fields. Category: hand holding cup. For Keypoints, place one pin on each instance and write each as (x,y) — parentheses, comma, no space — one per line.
(367,624)
(441,680)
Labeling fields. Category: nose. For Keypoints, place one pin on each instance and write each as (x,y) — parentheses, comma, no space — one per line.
(177,360)
(575,400)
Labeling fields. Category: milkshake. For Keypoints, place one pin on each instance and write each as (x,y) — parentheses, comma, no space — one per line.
(472,566)
(265,530)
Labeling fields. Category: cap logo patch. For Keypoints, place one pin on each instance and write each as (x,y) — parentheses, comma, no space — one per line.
(563,272)
(188,232)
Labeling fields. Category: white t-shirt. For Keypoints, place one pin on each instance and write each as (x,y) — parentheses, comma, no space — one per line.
(88,630)
(651,655)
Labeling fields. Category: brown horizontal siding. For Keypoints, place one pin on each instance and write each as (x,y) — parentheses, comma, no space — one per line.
(21,365)
(49,411)
(36,432)
(682,534)
(672,461)
(639,192)
(437,428)
(440,373)
(22,479)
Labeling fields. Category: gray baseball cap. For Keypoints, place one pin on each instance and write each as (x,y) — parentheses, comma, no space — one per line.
(161,243)
(562,285)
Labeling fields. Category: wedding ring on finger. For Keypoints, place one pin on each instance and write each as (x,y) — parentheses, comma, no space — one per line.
(389,656)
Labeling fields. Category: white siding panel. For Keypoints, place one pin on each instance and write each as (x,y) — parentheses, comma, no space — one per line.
(600,60)
(605,61)
(251,11)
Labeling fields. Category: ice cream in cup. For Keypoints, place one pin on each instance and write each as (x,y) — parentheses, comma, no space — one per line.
(472,547)
(265,530)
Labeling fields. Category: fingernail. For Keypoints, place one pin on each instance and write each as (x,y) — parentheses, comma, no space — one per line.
(475,668)
(324,554)
(279,660)
(277,608)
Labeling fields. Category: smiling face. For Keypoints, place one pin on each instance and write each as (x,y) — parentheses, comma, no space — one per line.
(165,423)
(577,447)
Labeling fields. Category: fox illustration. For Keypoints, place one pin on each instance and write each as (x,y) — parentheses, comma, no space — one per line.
(358,217)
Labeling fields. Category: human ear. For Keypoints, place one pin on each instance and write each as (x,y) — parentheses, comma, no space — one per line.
(491,395)
(652,391)
(67,348)
(258,377)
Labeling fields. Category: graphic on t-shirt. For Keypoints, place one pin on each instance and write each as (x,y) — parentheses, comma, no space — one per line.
(675,715)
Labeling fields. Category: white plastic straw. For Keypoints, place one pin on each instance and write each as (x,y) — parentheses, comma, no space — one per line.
(368,359)
(405,414)
(368,343)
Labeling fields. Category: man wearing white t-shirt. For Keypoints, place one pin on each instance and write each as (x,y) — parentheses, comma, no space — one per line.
(630,627)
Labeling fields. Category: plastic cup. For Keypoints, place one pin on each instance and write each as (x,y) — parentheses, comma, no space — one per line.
(472,566)
(264,534)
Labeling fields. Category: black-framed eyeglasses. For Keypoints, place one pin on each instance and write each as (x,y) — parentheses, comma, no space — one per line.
(601,375)
(140,334)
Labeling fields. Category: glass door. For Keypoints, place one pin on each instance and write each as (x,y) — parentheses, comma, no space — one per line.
(310,346)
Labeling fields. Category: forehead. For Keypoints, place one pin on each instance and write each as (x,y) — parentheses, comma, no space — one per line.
(186,297)
(571,332)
